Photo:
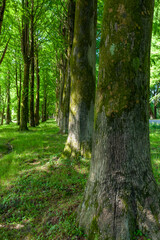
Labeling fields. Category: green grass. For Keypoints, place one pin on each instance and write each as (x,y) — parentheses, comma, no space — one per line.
(39,194)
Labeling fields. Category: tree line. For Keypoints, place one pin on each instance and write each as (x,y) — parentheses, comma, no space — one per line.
(110,121)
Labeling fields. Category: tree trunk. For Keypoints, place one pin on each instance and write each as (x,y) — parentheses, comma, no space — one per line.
(26,57)
(2,9)
(19,96)
(83,61)
(67,80)
(62,90)
(121,195)
(8,113)
(44,106)
(155,111)
(32,122)
(37,92)
(24,104)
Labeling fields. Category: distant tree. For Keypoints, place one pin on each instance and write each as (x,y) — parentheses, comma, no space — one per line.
(122,195)
(26,58)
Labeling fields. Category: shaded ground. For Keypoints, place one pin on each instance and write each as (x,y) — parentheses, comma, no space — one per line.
(40,193)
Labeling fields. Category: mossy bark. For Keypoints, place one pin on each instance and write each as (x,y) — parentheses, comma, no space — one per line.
(67,80)
(122,195)
(82,97)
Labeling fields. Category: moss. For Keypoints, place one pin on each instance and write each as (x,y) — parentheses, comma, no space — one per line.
(94,231)
(136,63)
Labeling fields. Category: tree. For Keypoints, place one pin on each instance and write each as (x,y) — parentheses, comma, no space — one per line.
(82,97)
(32,120)
(122,195)
(2,9)
(26,58)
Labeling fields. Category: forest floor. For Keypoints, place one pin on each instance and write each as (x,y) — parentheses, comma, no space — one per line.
(40,192)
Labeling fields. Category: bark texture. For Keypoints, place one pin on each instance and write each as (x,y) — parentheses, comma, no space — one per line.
(82,97)
(121,195)
(65,96)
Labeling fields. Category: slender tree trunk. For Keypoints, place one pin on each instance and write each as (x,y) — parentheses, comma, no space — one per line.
(122,195)
(44,105)
(32,122)
(37,92)
(2,115)
(26,57)
(19,96)
(24,104)
(83,61)
(62,85)
(155,111)
(18,93)
(8,113)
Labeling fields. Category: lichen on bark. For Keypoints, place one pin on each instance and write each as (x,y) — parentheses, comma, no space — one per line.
(121,193)
(82,97)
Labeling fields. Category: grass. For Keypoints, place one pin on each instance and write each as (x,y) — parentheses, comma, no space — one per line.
(39,194)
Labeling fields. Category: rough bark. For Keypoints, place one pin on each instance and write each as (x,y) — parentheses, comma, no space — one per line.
(67,81)
(26,57)
(37,90)
(82,80)
(32,121)
(122,195)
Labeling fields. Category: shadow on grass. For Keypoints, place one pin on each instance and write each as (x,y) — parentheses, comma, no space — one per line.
(39,196)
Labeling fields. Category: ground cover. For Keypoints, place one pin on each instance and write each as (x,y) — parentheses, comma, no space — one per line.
(40,193)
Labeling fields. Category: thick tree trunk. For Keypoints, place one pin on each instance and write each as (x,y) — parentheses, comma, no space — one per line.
(67,81)
(83,61)
(8,112)
(37,91)
(122,195)
(32,122)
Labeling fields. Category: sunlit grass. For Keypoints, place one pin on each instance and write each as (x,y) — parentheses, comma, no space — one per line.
(39,195)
